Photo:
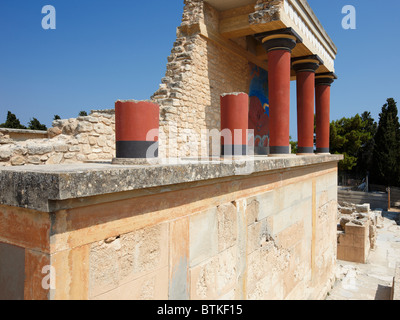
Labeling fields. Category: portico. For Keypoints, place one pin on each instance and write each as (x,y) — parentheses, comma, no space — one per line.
(285,38)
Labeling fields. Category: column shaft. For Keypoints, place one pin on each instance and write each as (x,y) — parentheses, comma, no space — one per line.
(136,129)
(305,111)
(305,75)
(279,66)
(322,95)
(234,124)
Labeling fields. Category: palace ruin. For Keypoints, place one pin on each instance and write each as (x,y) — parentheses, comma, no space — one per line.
(205,228)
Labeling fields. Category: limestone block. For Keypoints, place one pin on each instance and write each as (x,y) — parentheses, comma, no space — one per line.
(73,141)
(69,155)
(54,132)
(115,265)
(106,121)
(214,277)
(101,142)
(17,161)
(55,158)
(363,208)
(69,129)
(5,154)
(60,147)
(103,268)
(267,268)
(92,119)
(143,251)
(257,235)
(33,160)
(19,150)
(252,211)
(81,157)
(290,216)
(265,206)
(99,128)
(92,141)
(227,226)
(84,126)
(74,148)
(343,222)
(346,210)
(39,149)
(179,260)
(92,157)
(153,286)
(203,236)
(82,138)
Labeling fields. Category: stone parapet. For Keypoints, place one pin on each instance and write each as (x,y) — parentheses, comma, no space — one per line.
(39,188)
(197,230)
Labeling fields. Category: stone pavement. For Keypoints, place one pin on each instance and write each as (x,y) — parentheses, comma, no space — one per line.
(374,280)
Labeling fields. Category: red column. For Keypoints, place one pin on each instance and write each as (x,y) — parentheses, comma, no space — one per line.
(136,128)
(279,72)
(322,102)
(234,124)
(305,75)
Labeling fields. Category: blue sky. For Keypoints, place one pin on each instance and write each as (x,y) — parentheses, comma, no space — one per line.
(106,50)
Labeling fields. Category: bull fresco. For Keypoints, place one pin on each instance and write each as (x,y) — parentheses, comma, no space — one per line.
(259,108)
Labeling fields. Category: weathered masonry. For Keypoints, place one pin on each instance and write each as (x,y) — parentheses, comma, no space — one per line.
(255,47)
(189,231)
(248,227)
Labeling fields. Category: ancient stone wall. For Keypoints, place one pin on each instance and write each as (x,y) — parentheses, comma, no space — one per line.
(271,235)
(90,138)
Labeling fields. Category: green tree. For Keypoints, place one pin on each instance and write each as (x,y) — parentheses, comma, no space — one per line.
(12,122)
(349,136)
(35,124)
(57,117)
(294,145)
(83,114)
(386,154)
(364,164)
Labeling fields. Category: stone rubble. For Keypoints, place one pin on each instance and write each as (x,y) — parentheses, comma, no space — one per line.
(360,215)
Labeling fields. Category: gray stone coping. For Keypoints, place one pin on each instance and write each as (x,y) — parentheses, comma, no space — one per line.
(23,131)
(37,187)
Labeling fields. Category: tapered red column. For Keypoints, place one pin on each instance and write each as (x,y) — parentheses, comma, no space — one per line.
(279,48)
(234,124)
(323,104)
(136,129)
(305,77)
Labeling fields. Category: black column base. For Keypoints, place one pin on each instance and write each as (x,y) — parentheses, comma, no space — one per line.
(306,150)
(279,150)
(136,149)
(234,150)
(323,150)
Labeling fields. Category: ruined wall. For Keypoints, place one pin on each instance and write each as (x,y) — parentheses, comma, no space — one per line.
(266,236)
(90,138)
(198,72)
